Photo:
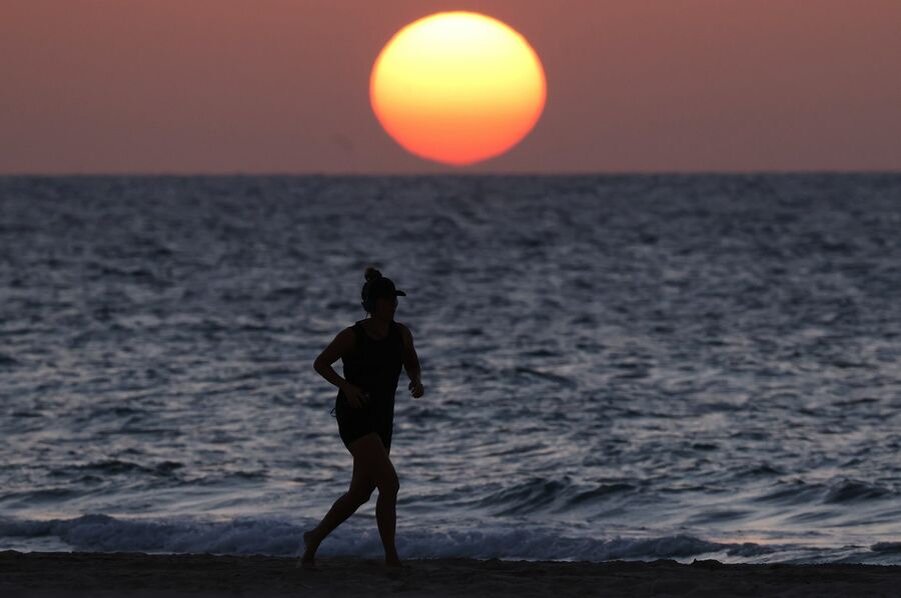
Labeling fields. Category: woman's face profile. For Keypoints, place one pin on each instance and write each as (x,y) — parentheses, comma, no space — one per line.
(385,307)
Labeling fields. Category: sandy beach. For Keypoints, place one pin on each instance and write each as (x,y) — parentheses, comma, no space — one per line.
(53,574)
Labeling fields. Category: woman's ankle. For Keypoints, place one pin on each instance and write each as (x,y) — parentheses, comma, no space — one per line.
(311,540)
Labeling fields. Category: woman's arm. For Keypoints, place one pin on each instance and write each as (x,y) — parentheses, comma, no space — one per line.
(341,345)
(411,359)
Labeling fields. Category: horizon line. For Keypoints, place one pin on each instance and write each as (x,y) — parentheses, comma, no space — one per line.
(407,174)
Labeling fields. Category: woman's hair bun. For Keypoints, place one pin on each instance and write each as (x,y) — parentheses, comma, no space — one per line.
(372,273)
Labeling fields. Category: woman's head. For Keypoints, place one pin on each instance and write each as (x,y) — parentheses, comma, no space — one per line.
(379,296)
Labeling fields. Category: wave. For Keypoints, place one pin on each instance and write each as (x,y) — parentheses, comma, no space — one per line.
(117,466)
(538,494)
(563,494)
(842,490)
(279,537)
(8,360)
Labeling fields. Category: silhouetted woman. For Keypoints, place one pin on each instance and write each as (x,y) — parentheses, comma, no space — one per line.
(372,351)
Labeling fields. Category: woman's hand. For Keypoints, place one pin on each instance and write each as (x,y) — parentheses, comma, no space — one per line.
(416,389)
(356,396)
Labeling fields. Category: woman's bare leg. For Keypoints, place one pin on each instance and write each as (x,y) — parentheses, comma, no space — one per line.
(375,470)
(379,466)
(386,510)
(360,490)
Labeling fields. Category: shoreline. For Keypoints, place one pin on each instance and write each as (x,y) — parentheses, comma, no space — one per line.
(52,574)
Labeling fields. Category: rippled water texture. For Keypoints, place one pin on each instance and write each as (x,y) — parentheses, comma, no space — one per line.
(615,367)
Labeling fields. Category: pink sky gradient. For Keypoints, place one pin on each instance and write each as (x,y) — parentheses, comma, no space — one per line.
(279,86)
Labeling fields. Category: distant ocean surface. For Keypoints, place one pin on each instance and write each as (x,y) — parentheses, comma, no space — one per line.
(615,367)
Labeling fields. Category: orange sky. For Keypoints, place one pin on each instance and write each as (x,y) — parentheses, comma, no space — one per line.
(281,86)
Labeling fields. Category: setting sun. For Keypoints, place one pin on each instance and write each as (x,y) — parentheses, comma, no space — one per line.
(457,87)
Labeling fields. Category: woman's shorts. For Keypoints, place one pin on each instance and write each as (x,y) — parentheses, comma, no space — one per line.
(354,422)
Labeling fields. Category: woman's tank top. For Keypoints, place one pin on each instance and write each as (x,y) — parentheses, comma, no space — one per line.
(374,365)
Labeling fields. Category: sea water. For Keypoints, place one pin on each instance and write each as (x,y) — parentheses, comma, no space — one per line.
(615,367)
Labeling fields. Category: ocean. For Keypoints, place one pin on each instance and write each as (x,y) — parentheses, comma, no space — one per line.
(615,366)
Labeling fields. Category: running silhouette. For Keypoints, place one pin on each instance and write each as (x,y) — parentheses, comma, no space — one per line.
(372,351)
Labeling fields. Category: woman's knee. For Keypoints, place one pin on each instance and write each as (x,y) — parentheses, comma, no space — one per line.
(360,497)
(389,485)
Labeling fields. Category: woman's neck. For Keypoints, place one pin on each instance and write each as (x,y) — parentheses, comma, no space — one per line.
(378,325)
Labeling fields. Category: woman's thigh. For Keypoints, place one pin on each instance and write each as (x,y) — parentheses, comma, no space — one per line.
(373,463)
(361,483)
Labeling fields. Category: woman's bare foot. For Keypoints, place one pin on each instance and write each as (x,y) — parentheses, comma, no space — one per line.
(309,552)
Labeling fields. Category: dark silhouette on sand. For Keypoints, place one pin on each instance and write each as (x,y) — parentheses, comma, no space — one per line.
(372,351)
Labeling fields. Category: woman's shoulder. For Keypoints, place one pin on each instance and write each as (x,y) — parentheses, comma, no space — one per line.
(350,335)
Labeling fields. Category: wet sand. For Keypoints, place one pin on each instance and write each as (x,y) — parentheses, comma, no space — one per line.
(136,575)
